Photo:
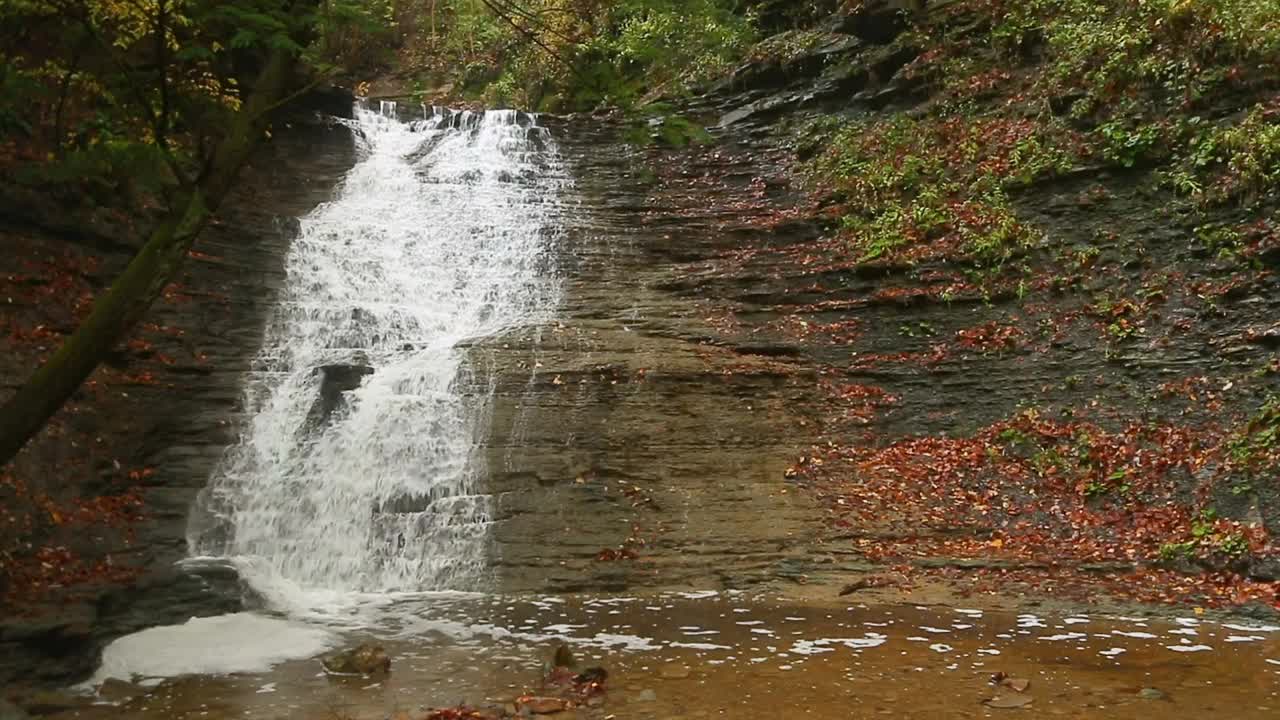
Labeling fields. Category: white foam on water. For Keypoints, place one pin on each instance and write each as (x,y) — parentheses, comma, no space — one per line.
(633,643)
(1065,636)
(219,645)
(823,645)
(699,646)
(1135,634)
(1251,628)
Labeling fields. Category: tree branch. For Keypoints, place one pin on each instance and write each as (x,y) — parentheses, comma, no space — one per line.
(119,309)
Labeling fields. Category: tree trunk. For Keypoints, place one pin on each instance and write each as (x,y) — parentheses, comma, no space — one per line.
(116,312)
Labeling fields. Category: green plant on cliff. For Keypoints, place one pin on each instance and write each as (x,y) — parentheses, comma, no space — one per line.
(540,55)
(913,189)
(1122,55)
(1027,90)
(1255,448)
(1144,75)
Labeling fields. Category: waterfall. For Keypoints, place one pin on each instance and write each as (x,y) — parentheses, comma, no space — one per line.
(357,470)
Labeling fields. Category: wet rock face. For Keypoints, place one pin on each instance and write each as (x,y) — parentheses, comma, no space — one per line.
(625,450)
(325,100)
(879,21)
(335,380)
(1267,570)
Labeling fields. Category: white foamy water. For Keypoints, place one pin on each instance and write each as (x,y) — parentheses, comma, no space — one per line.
(242,642)
(440,234)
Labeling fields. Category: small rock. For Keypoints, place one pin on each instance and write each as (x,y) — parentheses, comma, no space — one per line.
(364,660)
(1150,693)
(854,587)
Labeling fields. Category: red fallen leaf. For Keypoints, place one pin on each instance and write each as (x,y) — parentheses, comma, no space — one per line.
(610,554)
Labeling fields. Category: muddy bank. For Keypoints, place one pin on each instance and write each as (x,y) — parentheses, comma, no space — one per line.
(151,424)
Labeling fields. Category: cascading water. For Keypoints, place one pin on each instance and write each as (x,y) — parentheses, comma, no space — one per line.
(357,469)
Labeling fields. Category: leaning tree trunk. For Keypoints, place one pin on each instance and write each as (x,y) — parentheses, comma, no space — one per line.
(116,312)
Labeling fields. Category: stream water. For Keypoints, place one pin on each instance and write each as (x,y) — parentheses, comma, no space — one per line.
(369,516)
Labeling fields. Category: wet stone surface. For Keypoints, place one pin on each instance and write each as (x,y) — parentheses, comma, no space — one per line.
(626,449)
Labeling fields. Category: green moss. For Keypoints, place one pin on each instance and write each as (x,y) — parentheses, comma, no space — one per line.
(911,189)
(615,54)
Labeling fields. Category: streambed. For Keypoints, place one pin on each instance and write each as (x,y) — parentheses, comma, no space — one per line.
(732,654)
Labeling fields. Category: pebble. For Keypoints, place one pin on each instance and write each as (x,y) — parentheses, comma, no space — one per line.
(1152,694)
